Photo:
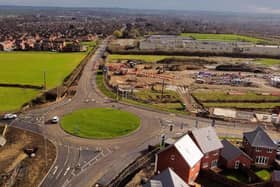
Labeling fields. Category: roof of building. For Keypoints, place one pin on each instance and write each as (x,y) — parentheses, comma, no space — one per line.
(188,150)
(166,178)
(259,138)
(230,152)
(276,175)
(207,139)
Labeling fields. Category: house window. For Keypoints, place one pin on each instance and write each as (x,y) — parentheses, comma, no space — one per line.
(214,163)
(269,150)
(236,165)
(258,149)
(172,157)
(261,160)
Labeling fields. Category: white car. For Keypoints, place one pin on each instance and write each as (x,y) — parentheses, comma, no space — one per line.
(55,119)
(9,116)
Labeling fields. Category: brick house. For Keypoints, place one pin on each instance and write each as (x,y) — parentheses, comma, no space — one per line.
(166,178)
(260,147)
(275,178)
(209,144)
(183,157)
(232,157)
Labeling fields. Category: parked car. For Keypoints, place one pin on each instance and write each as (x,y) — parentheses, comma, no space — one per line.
(9,116)
(55,119)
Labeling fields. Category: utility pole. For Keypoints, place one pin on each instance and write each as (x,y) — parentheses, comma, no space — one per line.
(162,88)
(45,81)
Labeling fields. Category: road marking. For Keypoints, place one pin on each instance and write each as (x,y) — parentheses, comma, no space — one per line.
(67,156)
(55,170)
(65,173)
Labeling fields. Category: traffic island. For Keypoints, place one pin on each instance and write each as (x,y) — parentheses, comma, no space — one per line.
(100,123)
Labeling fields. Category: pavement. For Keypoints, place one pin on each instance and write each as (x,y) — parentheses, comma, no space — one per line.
(84,162)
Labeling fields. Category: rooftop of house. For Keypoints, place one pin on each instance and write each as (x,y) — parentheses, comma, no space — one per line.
(166,178)
(207,139)
(188,150)
(259,138)
(230,152)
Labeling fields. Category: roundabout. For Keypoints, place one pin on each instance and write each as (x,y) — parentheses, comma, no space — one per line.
(100,123)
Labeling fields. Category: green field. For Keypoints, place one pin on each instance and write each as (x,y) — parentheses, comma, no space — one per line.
(243,105)
(216,96)
(29,67)
(155,96)
(249,100)
(224,37)
(268,61)
(13,98)
(100,123)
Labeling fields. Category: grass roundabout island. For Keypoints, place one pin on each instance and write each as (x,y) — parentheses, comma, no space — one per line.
(100,123)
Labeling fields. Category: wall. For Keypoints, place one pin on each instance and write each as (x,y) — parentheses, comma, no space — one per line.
(246,162)
(171,158)
(213,155)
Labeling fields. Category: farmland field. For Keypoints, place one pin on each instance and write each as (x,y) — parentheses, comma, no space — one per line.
(224,37)
(14,98)
(29,67)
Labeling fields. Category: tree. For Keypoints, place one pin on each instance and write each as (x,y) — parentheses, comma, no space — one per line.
(117,34)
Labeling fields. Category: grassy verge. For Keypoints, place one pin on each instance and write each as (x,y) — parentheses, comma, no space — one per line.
(100,123)
(13,98)
(101,86)
(167,107)
(263,174)
(224,37)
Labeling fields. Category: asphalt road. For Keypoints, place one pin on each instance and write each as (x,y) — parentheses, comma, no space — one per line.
(82,162)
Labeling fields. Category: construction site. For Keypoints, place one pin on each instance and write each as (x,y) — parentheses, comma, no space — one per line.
(23,158)
(199,84)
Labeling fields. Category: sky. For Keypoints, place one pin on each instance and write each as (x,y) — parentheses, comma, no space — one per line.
(253,6)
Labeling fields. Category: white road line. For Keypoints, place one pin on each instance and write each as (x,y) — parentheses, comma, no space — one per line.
(65,173)
(55,170)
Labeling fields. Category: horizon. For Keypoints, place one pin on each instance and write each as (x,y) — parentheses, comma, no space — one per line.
(247,6)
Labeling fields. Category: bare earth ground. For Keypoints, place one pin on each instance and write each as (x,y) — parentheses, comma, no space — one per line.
(12,156)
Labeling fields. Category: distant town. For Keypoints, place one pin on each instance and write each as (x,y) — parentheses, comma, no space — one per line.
(115,97)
